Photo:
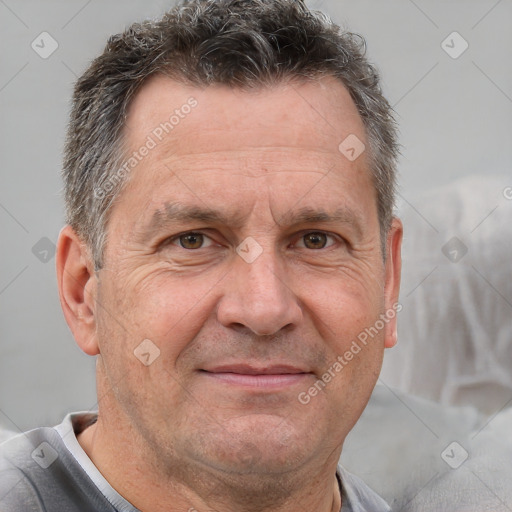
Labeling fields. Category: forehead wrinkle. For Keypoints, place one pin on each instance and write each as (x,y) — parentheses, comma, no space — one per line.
(256,161)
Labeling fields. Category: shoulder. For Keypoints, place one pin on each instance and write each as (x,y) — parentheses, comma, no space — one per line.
(357,496)
(23,459)
(38,473)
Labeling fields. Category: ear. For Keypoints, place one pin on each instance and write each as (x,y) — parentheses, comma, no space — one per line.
(77,289)
(392,286)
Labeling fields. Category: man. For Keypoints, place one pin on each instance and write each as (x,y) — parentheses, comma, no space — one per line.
(231,259)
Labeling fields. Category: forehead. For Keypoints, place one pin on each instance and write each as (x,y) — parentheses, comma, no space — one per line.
(315,114)
(219,144)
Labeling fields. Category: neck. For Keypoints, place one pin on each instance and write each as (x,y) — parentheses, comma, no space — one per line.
(129,469)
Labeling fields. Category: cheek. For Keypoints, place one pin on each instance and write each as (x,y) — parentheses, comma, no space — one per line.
(143,330)
(344,304)
(156,306)
(348,318)
(361,344)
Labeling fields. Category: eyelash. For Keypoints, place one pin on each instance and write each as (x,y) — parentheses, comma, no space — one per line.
(175,239)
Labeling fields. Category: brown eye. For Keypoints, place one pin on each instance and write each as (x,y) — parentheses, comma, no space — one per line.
(191,240)
(315,240)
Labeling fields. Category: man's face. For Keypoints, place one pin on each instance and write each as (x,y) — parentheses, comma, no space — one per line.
(251,301)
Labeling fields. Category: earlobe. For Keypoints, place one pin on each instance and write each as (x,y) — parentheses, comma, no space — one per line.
(77,289)
(392,286)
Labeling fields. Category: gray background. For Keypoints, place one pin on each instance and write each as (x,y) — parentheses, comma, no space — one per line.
(455,119)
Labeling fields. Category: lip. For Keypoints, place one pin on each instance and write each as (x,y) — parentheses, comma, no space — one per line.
(248,376)
(248,369)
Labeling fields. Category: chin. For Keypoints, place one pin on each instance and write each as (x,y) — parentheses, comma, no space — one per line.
(258,444)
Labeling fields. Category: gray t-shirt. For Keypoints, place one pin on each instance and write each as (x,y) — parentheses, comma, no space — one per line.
(47,470)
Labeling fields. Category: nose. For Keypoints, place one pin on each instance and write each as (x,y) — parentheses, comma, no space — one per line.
(258,297)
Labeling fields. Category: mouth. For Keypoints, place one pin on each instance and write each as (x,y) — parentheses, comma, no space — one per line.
(249,376)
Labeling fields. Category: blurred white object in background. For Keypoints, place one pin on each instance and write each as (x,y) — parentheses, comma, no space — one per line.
(455,330)
(6,434)
(422,456)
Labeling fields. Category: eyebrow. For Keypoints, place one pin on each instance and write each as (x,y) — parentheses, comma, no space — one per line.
(178,212)
(308,215)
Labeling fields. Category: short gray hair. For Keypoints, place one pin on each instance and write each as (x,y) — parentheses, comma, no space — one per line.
(239,43)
